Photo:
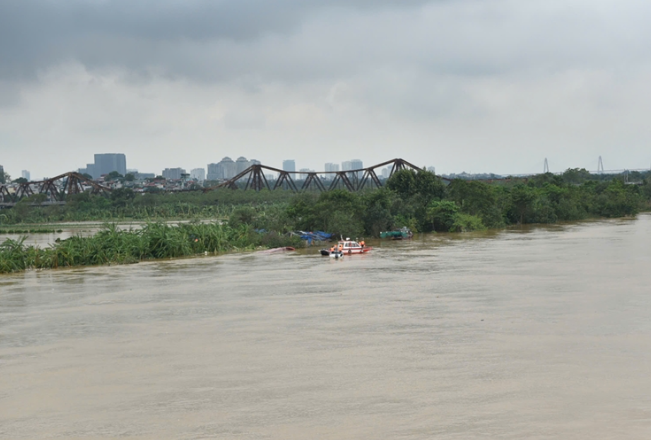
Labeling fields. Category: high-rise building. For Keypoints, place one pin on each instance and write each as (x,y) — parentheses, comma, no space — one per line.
(2,174)
(106,163)
(289,165)
(90,170)
(385,172)
(431,170)
(223,170)
(213,169)
(254,162)
(199,174)
(241,164)
(26,175)
(332,167)
(354,164)
(228,168)
(173,173)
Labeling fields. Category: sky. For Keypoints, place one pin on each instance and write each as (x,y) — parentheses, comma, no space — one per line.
(461,85)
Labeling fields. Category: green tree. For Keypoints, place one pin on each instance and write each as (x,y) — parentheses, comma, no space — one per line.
(122,197)
(576,175)
(113,175)
(403,182)
(522,198)
(429,187)
(442,215)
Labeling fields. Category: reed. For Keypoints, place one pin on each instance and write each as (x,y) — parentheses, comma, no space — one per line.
(154,241)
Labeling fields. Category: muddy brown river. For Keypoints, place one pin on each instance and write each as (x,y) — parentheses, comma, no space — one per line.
(536,333)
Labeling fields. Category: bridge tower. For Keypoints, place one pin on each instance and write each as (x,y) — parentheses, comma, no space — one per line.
(600,166)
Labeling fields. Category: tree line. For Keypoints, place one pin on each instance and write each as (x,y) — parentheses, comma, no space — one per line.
(418,200)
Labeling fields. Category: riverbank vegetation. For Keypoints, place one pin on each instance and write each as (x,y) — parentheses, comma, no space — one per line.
(154,241)
(247,219)
(418,200)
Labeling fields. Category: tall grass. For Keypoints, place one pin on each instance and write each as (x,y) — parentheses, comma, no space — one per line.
(155,241)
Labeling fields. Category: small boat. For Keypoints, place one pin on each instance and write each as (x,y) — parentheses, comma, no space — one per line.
(332,254)
(398,234)
(346,247)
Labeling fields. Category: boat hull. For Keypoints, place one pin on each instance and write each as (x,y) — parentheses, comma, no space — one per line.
(335,254)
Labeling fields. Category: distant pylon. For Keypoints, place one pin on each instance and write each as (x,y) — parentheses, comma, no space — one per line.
(600,165)
(546,167)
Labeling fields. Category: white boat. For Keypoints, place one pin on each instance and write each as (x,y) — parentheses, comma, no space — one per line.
(346,247)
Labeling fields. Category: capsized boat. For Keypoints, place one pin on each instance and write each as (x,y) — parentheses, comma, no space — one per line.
(347,247)
(332,254)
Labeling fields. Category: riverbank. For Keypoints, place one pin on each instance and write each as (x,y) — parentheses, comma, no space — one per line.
(112,245)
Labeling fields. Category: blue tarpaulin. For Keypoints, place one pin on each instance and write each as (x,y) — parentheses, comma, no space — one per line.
(315,236)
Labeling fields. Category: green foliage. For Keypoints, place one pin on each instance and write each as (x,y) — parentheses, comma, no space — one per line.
(467,223)
(442,215)
(155,241)
(113,175)
(576,175)
(403,183)
(418,200)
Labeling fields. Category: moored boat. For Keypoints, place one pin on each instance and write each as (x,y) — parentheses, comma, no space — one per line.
(398,234)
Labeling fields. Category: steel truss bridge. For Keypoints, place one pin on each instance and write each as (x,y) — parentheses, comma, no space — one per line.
(57,188)
(348,179)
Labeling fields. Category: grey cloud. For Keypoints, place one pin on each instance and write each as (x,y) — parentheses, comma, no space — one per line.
(36,34)
(297,40)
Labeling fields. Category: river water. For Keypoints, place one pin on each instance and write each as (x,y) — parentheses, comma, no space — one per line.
(535,333)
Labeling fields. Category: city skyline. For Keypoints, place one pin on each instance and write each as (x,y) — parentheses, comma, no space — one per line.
(463,86)
(327,167)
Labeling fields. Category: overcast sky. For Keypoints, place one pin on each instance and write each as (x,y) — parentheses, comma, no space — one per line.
(463,85)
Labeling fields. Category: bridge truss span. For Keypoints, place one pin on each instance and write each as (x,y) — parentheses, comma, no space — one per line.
(56,188)
(352,180)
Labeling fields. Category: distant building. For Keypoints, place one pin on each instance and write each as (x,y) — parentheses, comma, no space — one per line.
(90,170)
(223,170)
(106,163)
(431,170)
(332,167)
(241,164)
(386,172)
(199,174)
(254,162)
(354,164)
(143,176)
(2,174)
(304,172)
(212,171)
(289,165)
(26,175)
(228,168)
(132,171)
(173,173)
